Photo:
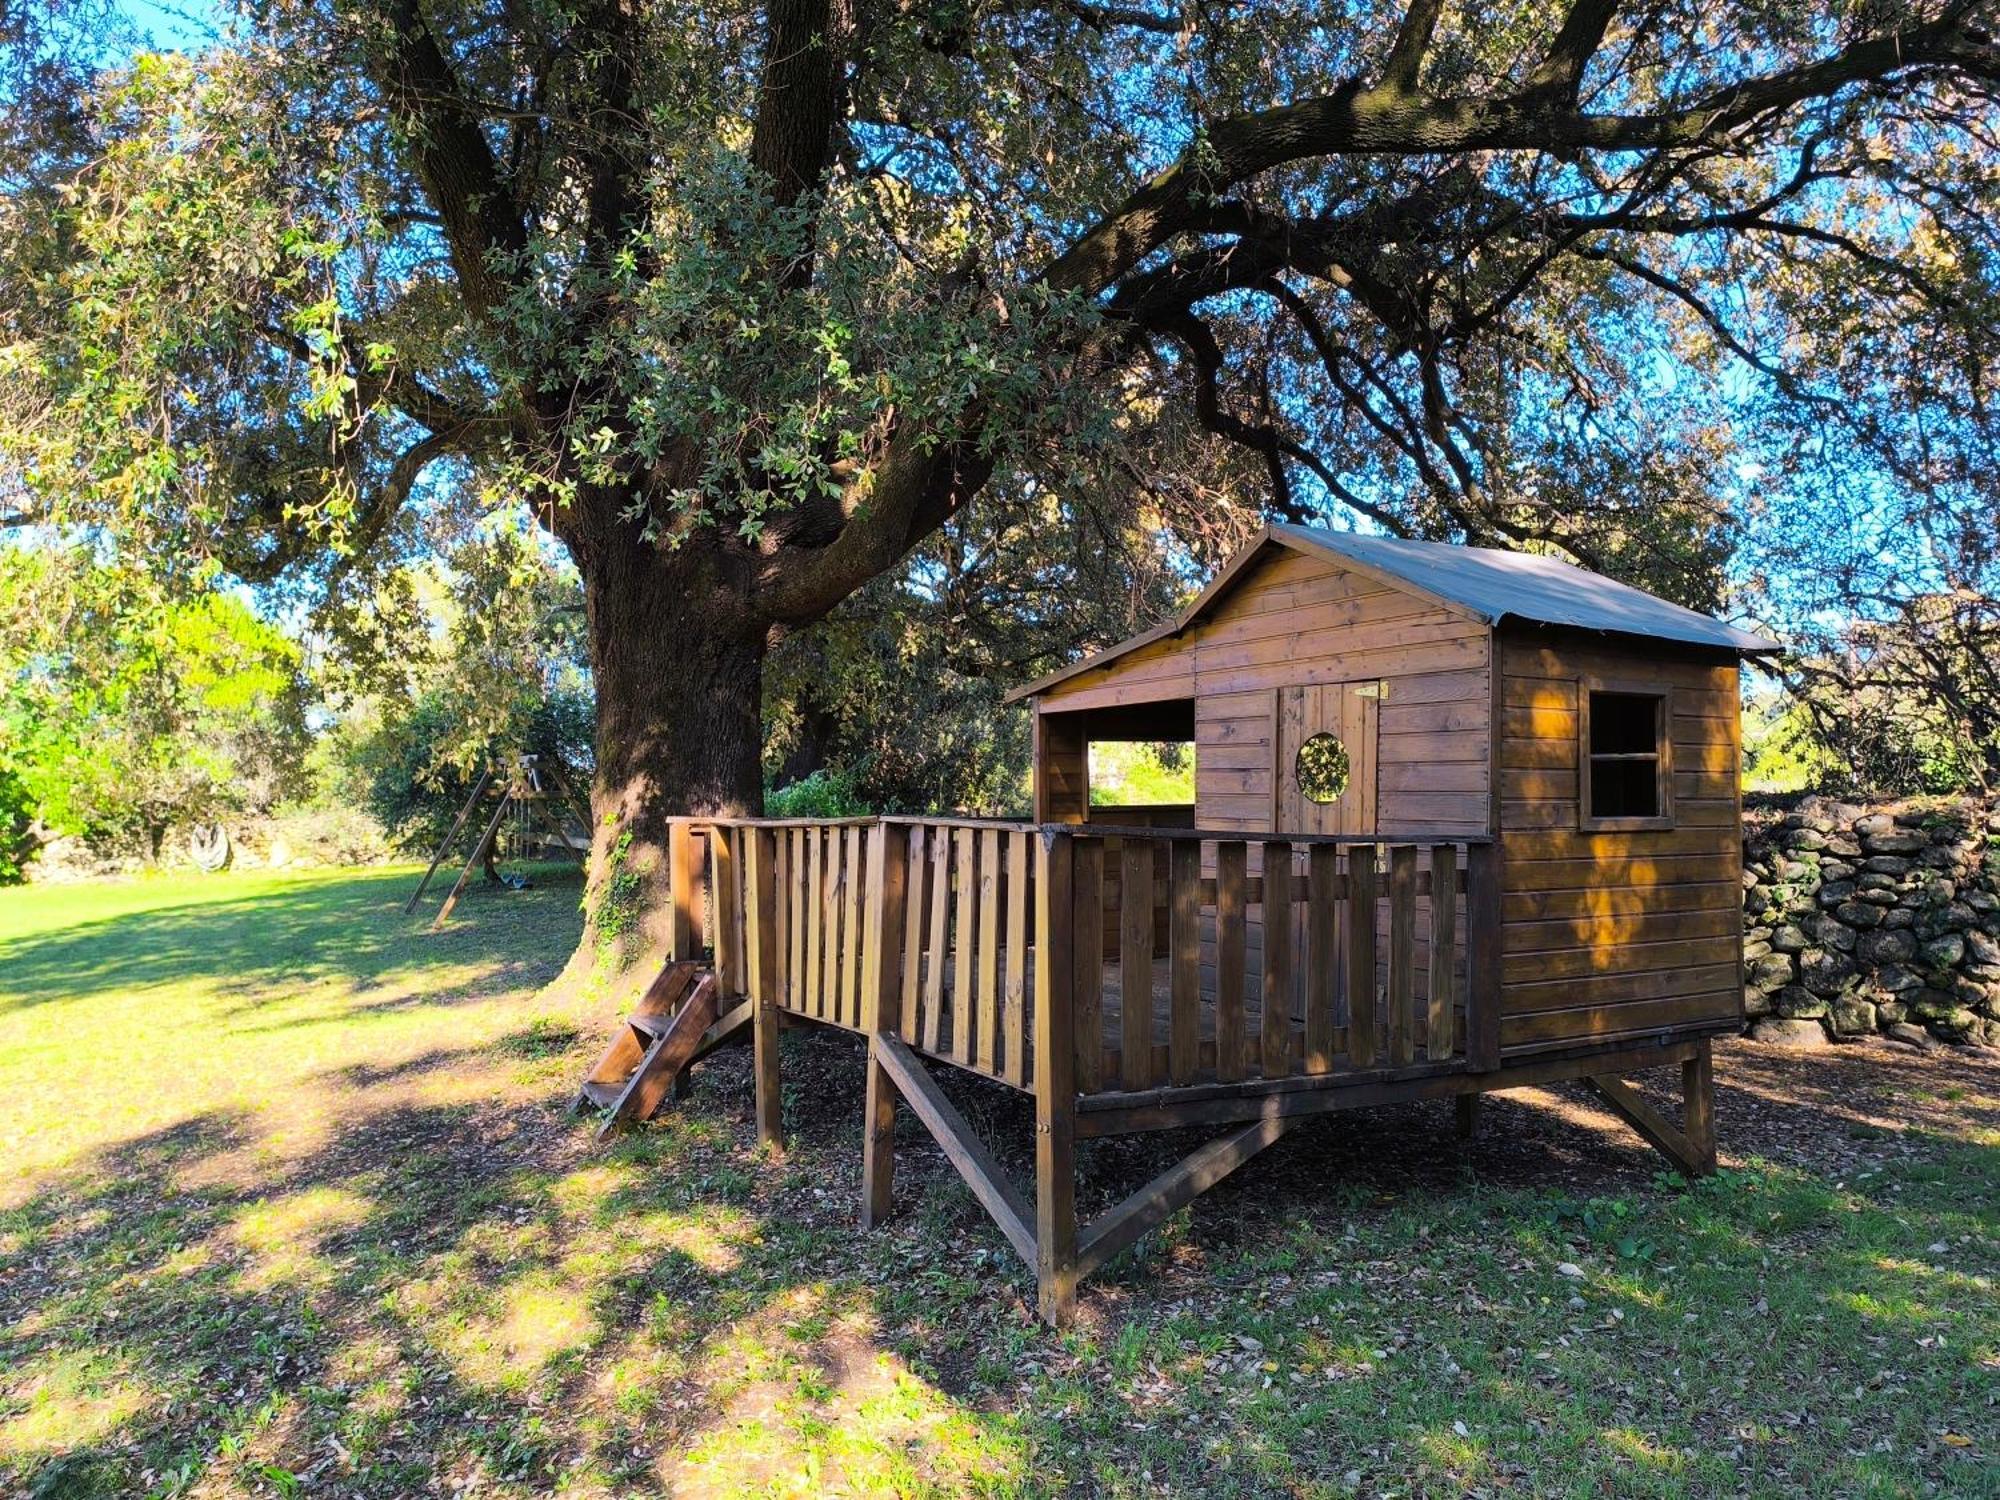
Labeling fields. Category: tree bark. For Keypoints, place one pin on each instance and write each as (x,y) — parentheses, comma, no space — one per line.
(677,657)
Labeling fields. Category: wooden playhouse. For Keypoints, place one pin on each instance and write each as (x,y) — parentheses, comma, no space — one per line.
(1503,794)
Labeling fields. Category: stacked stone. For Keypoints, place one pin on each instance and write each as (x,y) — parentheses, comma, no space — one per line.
(1859,920)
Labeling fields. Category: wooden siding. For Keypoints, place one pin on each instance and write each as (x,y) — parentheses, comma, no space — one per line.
(1297,621)
(1608,935)
(1303,621)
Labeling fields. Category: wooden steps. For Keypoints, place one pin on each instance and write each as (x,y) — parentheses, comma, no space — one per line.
(663,1035)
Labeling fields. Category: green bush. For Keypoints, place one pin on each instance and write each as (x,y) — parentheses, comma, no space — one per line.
(17,821)
(827,793)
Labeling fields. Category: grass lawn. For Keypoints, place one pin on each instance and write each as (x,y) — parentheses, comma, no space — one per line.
(290,1206)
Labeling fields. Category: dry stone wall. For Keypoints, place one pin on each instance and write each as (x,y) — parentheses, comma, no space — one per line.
(1878,918)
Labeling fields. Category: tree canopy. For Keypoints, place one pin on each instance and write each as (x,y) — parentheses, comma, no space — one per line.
(747,304)
(124,713)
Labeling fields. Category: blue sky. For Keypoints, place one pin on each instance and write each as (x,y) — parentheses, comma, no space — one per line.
(174,24)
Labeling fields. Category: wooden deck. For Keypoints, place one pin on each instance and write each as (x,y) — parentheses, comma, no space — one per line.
(1010,950)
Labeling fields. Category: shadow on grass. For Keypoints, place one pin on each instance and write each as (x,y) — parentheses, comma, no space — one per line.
(299,930)
(442,1289)
(460,1289)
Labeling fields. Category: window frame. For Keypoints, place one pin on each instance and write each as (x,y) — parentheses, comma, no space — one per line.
(1663,755)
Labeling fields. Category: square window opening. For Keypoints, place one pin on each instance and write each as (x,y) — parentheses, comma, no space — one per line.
(1141,773)
(1626,758)
(1624,724)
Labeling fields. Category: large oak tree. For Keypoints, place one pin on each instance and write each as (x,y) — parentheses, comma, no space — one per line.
(747,301)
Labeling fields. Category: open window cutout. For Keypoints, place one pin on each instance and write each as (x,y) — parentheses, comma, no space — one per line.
(1322,768)
(1626,761)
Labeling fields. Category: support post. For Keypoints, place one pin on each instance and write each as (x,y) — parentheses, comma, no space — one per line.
(1055,1082)
(1467,1106)
(881,950)
(471,863)
(761,932)
(1677,1143)
(1482,957)
(722,902)
(1698,1106)
(444,847)
(684,936)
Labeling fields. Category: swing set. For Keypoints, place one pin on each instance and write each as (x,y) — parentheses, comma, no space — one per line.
(526,813)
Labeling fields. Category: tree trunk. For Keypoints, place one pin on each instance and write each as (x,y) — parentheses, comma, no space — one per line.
(812,746)
(677,658)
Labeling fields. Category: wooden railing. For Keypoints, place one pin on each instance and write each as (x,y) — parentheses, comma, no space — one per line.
(1181,956)
(1356,956)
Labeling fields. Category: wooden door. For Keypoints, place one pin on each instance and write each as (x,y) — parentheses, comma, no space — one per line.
(1348,712)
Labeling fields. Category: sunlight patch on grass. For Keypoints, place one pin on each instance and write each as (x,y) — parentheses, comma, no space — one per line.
(65,1402)
(710,1240)
(810,1403)
(1461,1456)
(846,1419)
(284,1234)
(1644,1450)
(584,1192)
(516,1330)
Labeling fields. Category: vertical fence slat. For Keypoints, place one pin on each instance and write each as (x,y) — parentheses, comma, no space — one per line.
(836,875)
(1402,954)
(965,876)
(1014,991)
(1087,961)
(916,865)
(757,914)
(722,881)
(1439,1040)
(765,881)
(829,930)
(853,936)
(1231,863)
(796,872)
(1277,1028)
(1135,962)
(986,1014)
(839,880)
(815,918)
(1322,961)
(1184,941)
(940,939)
(781,916)
(886,905)
(1361,956)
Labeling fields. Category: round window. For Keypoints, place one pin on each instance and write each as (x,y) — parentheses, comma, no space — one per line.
(1321,768)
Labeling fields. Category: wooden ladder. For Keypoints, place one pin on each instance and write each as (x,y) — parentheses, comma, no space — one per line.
(659,1039)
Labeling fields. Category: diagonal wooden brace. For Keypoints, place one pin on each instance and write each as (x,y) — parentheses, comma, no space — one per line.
(976,1164)
(1690,1146)
(1174,1188)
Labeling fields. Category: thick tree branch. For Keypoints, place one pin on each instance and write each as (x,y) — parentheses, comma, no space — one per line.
(1413,41)
(1263,438)
(394,491)
(912,491)
(1357,120)
(1560,72)
(395,387)
(451,156)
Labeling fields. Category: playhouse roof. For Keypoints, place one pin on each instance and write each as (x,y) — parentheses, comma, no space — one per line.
(1492,584)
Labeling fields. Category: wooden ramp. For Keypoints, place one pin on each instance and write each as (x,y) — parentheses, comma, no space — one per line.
(676,1022)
